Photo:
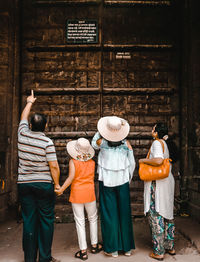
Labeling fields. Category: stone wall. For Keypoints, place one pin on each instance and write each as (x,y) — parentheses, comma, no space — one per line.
(9,103)
(190,109)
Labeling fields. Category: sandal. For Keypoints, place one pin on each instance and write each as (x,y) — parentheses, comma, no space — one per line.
(113,254)
(81,255)
(97,249)
(128,253)
(171,252)
(157,257)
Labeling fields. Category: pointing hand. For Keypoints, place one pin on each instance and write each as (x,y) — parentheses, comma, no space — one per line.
(31,98)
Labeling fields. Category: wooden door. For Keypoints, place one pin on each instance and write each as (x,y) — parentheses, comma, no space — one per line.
(131,72)
(9,102)
(5,128)
(139,87)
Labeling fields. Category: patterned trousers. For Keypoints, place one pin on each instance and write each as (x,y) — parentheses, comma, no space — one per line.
(162,230)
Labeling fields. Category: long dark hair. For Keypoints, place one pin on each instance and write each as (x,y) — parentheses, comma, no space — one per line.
(114,144)
(162,130)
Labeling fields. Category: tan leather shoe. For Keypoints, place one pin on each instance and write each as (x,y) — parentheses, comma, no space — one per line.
(157,257)
(171,252)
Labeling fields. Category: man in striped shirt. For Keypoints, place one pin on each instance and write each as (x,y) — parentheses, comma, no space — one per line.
(38,175)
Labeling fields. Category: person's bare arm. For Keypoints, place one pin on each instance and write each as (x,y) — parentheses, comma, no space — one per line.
(30,100)
(153,162)
(99,141)
(131,159)
(156,161)
(96,141)
(69,180)
(55,172)
(129,145)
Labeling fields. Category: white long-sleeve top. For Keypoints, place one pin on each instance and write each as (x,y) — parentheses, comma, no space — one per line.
(164,194)
(115,164)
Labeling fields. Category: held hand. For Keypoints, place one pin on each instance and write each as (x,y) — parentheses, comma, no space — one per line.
(31,99)
(57,187)
(141,160)
(58,191)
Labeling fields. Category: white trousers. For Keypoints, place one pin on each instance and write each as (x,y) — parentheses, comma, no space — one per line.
(79,217)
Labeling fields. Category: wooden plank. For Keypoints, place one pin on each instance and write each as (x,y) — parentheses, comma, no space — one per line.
(106,2)
(137,2)
(46,91)
(76,134)
(98,47)
(138,47)
(135,91)
(63,48)
(66,2)
(107,91)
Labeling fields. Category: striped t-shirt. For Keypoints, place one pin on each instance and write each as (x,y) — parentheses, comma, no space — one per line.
(35,150)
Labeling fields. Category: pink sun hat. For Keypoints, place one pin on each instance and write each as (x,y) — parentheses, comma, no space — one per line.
(80,149)
(113,128)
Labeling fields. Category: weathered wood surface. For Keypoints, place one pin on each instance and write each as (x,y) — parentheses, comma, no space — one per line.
(76,87)
(77,84)
(190,116)
(9,103)
(106,2)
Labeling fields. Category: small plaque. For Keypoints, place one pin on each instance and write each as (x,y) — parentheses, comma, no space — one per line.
(82,31)
(123,55)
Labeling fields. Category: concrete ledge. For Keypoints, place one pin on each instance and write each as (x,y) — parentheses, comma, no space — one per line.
(194,210)
(190,229)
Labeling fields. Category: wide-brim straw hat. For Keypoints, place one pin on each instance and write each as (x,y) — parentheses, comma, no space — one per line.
(113,128)
(80,149)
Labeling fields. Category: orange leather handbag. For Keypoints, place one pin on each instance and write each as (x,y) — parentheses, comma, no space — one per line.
(149,173)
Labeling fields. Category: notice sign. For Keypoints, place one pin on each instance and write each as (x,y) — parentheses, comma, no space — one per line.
(123,55)
(82,31)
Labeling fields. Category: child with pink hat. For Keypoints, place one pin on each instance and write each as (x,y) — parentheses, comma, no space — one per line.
(82,194)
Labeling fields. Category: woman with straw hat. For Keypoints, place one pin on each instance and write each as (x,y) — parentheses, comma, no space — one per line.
(82,195)
(116,165)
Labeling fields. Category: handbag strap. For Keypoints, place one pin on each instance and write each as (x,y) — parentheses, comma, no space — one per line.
(163,147)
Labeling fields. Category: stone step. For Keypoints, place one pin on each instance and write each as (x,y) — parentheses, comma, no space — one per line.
(137,209)
(64,213)
(135,199)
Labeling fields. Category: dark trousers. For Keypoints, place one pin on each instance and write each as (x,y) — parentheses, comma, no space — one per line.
(37,204)
(116,221)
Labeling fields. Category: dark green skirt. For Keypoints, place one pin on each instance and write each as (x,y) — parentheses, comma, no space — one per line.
(116,220)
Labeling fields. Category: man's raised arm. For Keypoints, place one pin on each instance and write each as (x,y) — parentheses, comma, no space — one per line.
(30,100)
